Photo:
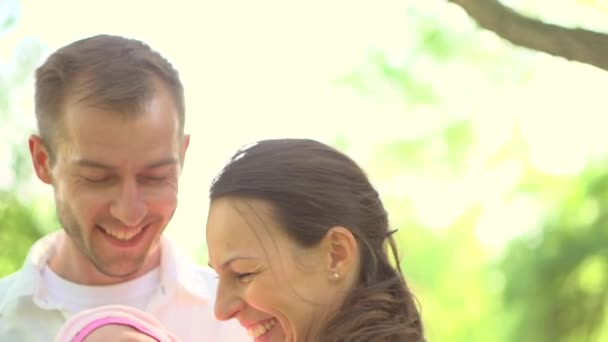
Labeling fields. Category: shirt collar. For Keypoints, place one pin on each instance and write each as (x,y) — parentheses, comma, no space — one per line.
(180,273)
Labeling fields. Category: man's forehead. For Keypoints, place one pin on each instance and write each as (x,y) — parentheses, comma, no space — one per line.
(117,152)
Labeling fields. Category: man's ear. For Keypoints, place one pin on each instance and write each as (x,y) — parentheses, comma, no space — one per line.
(40,158)
(184,147)
(343,252)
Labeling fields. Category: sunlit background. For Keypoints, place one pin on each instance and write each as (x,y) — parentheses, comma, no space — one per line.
(490,158)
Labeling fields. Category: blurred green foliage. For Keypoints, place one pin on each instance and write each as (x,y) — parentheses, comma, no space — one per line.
(19,230)
(21,220)
(558,278)
(547,283)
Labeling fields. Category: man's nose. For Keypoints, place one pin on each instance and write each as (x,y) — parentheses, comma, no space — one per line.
(129,206)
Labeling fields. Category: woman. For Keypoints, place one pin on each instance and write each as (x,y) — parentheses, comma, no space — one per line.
(297,235)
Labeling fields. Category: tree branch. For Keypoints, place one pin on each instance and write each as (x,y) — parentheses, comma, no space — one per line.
(574,44)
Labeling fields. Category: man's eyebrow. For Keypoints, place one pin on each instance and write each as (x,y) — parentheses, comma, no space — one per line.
(92,163)
(162,162)
(99,165)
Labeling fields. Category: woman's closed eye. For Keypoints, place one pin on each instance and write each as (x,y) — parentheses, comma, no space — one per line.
(244,276)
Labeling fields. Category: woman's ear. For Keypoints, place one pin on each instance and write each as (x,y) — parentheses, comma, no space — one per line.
(343,252)
(40,158)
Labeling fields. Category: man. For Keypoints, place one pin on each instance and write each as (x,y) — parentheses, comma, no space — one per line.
(111,143)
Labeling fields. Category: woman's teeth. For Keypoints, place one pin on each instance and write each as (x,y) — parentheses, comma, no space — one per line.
(261,329)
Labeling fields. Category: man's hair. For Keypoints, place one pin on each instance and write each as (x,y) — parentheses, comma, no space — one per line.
(106,72)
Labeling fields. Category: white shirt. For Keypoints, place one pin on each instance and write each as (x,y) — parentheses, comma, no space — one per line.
(183,300)
(74,297)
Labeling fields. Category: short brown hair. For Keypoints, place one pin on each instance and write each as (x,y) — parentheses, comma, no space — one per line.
(104,71)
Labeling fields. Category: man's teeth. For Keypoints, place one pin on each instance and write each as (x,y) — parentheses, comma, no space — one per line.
(122,235)
(261,329)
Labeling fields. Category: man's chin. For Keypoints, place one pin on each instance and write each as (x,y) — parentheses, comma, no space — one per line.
(121,273)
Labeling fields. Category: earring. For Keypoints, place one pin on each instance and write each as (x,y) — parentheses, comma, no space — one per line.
(335,275)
